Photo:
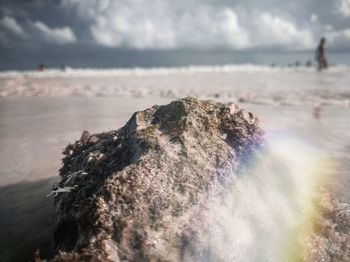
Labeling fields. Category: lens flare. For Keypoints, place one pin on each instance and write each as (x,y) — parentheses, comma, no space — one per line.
(270,211)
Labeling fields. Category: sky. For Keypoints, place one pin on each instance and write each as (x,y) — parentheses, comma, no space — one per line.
(84,31)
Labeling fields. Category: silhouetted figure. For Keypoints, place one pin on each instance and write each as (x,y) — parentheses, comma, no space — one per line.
(41,67)
(321,54)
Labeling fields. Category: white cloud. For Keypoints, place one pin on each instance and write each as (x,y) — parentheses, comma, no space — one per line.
(168,24)
(118,31)
(10,24)
(313,18)
(63,35)
(37,31)
(186,23)
(161,24)
(207,27)
(328,27)
(341,34)
(344,7)
(339,39)
(274,30)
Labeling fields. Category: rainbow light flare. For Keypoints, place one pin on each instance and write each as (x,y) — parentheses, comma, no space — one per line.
(271,211)
(312,172)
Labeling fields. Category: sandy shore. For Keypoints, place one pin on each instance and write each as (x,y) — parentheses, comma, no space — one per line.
(34,130)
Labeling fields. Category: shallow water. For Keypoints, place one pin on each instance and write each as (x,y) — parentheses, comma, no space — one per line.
(34,130)
(253,84)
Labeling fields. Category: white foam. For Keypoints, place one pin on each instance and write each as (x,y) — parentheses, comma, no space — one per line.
(276,86)
(94,72)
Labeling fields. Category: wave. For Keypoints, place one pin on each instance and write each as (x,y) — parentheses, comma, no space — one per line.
(138,71)
(253,84)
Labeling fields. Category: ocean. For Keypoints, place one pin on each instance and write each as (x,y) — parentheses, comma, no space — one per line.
(86,56)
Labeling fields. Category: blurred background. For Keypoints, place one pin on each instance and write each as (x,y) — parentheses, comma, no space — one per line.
(132,33)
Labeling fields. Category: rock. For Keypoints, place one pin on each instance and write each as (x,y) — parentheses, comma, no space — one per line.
(139,193)
(330,240)
(152,190)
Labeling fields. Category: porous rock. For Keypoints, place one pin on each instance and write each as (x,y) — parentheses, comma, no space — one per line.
(139,193)
(330,241)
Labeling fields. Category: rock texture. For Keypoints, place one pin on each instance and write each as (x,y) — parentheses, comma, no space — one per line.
(139,193)
(330,241)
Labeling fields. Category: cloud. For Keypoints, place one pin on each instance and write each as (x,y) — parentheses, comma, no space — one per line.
(343,35)
(338,39)
(11,25)
(166,24)
(313,18)
(63,35)
(275,30)
(34,32)
(328,27)
(121,30)
(208,27)
(344,7)
(160,24)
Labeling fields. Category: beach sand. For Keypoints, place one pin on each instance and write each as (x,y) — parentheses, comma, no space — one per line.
(41,113)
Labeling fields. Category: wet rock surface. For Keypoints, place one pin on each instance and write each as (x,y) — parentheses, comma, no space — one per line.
(140,193)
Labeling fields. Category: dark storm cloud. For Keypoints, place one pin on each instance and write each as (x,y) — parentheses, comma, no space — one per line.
(24,23)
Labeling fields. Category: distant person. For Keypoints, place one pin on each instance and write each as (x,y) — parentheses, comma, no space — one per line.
(321,54)
(308,63)
(41,67)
